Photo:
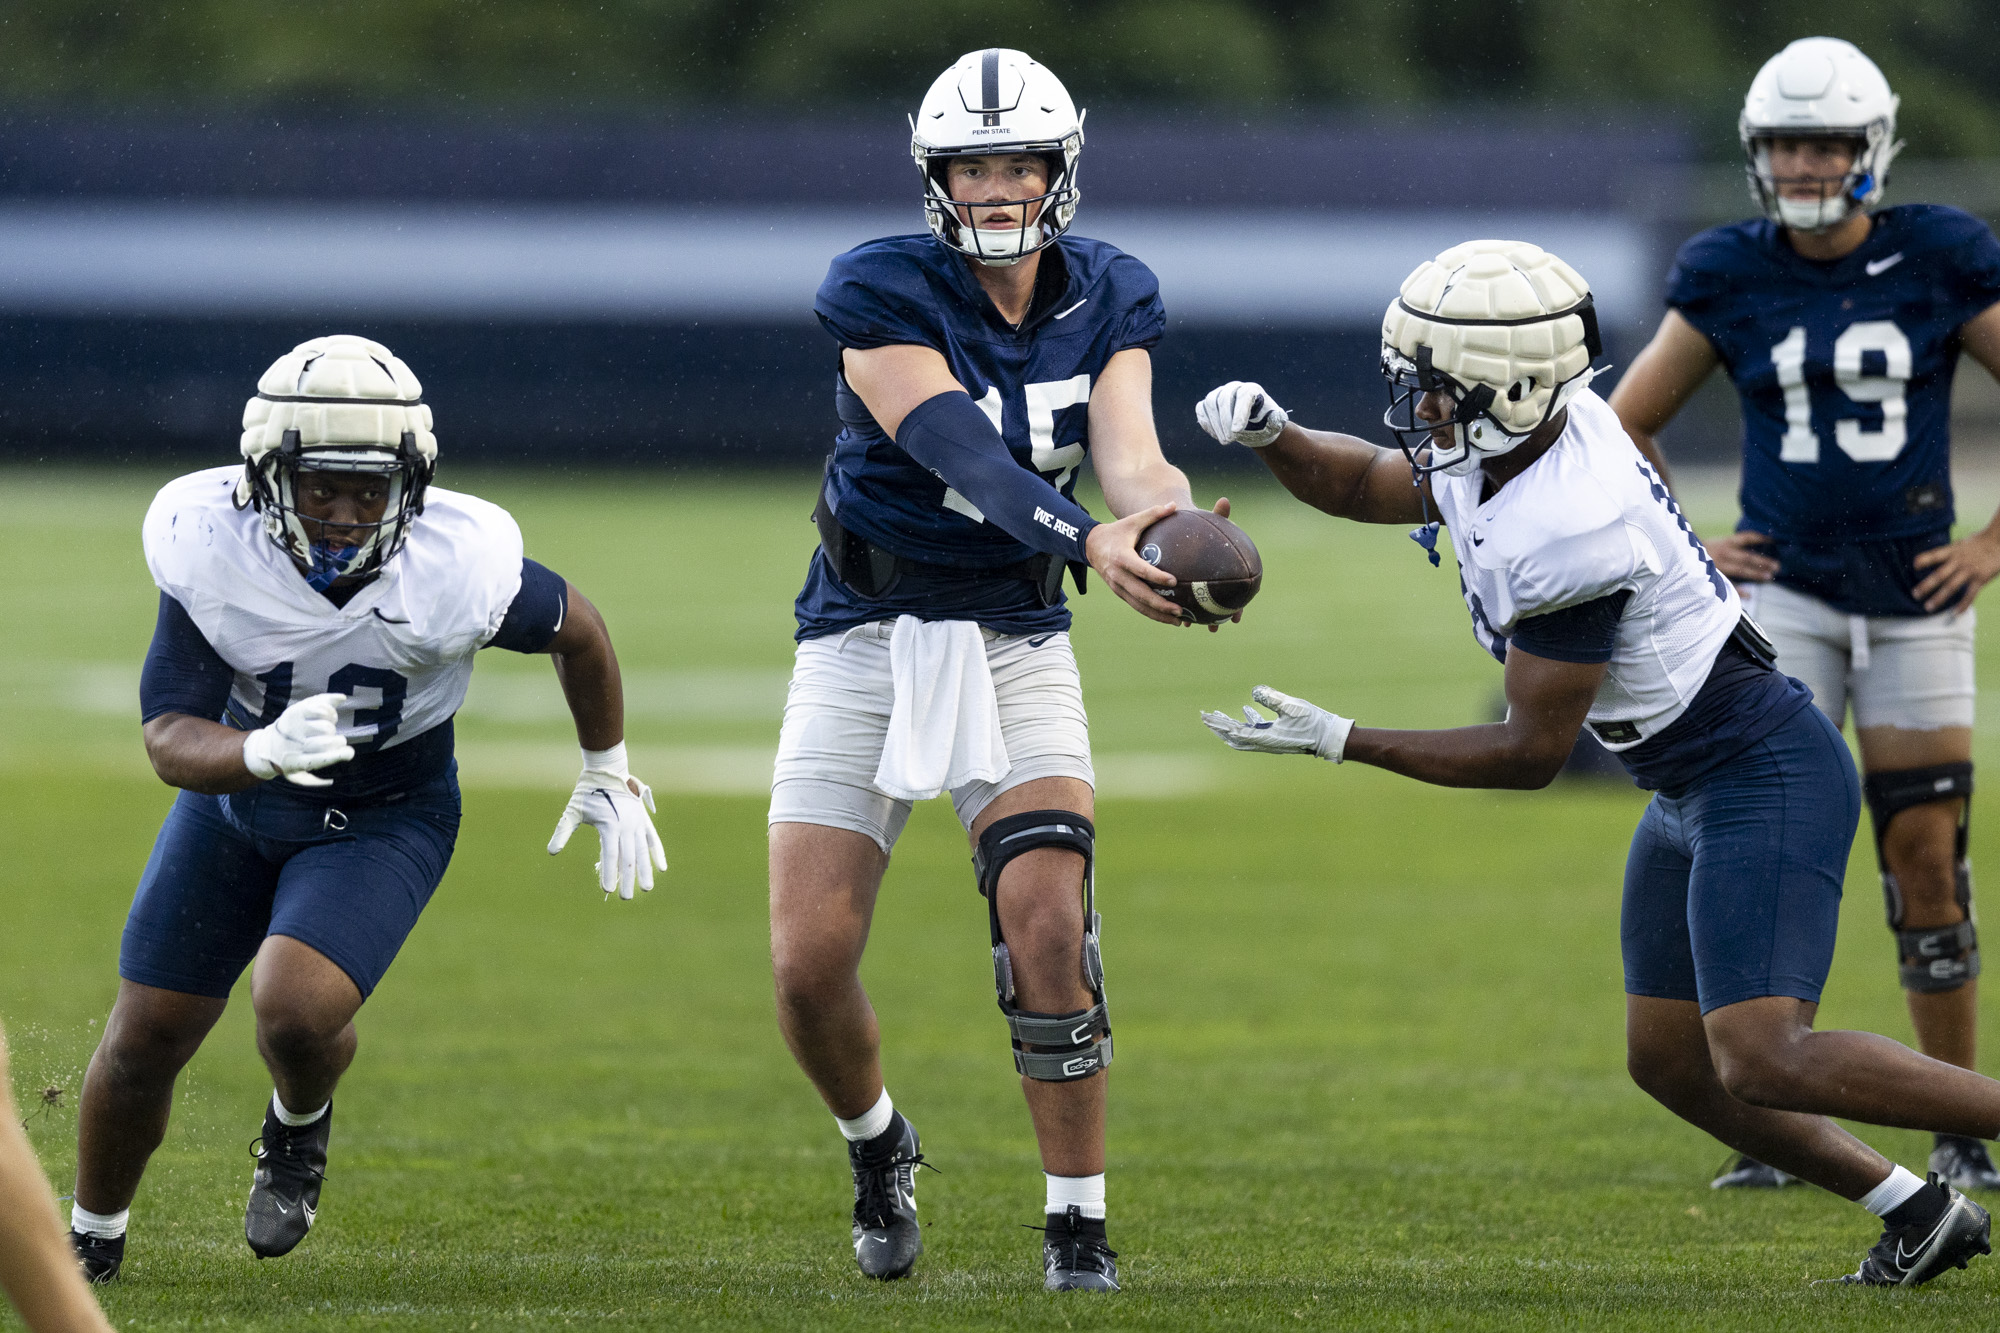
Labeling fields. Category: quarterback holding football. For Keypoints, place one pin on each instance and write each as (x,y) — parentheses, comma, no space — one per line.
(1841,328)
(320,609)
(1586,582)
(980,364)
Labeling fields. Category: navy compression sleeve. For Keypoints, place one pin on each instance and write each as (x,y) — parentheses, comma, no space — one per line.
(183,672)
(953,437)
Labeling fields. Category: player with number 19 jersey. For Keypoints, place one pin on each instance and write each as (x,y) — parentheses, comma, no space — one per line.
(1844,370)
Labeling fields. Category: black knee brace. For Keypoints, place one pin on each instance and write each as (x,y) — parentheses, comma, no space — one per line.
(1055,1048)
(1941,958)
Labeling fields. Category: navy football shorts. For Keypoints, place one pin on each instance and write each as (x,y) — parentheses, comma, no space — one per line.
(1732,888)
(229,871)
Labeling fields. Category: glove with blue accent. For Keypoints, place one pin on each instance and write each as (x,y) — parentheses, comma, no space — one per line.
(306,736)
(1299,728)
(1241,413)
(618,806)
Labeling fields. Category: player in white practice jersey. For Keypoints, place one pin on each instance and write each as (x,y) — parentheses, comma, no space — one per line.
(1584,579)
(320,609)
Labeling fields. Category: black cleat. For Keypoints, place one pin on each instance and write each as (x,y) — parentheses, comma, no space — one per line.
(1745,1172)
(887,1239)
(1913,1255)
(1964,1164)
(1075,1256)
(284,1194)
(98,1257)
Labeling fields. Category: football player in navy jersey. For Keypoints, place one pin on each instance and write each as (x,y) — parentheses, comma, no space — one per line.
(979,365)
(320,609)
(1583,578)
(1841,328)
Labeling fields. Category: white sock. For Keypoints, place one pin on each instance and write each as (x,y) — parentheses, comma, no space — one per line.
(287,1118)
(104,1226)
(1892,1193)
(1086,1192)
(870,1122)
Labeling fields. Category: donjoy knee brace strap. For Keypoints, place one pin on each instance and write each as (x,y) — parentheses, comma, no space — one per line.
(1937,958)
(1055,1048)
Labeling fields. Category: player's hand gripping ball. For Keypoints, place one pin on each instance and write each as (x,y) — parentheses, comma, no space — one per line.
(619,807)
(1217,565)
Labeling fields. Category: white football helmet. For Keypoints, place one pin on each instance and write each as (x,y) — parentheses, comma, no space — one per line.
(998,101)
(1819,87)
(337,404)
(1503,329)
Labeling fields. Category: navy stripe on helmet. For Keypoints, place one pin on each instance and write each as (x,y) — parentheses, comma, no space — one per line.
(989,79)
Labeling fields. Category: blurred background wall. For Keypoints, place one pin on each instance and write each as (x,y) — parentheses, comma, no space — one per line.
(595,230)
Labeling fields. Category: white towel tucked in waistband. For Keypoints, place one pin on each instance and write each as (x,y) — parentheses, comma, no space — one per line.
(944,729)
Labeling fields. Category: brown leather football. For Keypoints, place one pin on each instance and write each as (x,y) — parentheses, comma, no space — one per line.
(1216,563)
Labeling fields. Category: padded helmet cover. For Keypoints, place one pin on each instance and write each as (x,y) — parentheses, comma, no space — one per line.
(1506,315)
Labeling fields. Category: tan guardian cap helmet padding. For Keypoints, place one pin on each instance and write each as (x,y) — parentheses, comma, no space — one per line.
(337,404)
(1505,330)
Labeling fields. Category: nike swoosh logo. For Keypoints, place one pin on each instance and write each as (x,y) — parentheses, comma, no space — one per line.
(1038,642)
(1478,540)
(1875,266)
(1073,309)
(385,620)
(283,1211)
(1904,1260)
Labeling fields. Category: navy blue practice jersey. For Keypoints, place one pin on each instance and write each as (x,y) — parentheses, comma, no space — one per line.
(1844,369)
(1034,383)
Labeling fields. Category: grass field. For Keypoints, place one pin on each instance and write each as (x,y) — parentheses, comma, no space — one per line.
(1369,1068)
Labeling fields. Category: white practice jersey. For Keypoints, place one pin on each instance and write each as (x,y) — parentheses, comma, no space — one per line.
(401,649)
(1587,519)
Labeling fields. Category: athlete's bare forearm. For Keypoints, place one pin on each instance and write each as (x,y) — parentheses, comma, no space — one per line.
(587,666)
(1493,755)
(1142,488)
(1344,476)
(197,755)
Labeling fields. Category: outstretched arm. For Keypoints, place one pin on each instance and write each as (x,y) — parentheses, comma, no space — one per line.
(1546,704)
(1339,474)
(1970,563)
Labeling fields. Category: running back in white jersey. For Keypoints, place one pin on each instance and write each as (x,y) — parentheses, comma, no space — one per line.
(1587,519)
(401,649)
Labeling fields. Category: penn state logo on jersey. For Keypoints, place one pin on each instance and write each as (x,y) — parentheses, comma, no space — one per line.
(401,649)
(1844,368)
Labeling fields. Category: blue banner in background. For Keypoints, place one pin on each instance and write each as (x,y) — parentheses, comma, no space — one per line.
(642,291)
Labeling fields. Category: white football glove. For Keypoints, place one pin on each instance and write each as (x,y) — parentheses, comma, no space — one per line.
(1241,413)
(616,804)
(306,736)
(1299,728)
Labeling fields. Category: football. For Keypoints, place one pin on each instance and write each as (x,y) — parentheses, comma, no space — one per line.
(1215,561)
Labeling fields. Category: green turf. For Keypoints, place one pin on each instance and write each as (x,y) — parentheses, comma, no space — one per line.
(1369,1033)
